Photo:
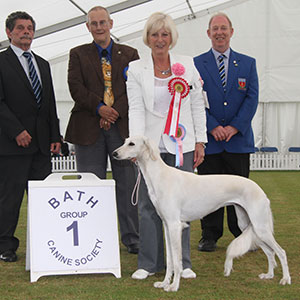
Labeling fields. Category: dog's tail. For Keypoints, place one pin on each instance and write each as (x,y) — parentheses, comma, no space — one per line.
(243,243)
(239,246)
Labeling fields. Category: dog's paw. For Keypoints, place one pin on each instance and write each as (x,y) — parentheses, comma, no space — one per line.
(171,288)
(266,276)
(285,280)
(160,284)
(227,272)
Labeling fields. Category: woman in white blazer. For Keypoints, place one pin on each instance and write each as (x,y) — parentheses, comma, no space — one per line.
(150,92)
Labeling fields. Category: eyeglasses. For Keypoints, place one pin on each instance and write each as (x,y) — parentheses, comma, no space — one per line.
(102,23)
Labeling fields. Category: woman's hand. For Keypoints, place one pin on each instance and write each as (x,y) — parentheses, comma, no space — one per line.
(199,154)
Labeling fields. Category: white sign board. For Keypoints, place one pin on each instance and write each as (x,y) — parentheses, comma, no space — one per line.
(72,226)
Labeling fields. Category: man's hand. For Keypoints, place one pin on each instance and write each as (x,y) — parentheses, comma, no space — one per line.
(230,132)
(23,139)
(219,133)
(55,147)
(104,124)
(108,113)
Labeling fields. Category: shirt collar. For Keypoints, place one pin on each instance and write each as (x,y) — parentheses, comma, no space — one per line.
(18,51)
(107,48)
(217,54)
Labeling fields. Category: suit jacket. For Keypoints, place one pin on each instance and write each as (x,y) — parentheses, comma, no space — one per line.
(86,84)
(19,110)
(144,120)
(236,106)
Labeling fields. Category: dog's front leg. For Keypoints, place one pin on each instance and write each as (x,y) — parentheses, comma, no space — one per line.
(170,269)
(174,232)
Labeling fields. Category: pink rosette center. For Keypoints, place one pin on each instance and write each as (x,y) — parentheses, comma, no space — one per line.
(178,69)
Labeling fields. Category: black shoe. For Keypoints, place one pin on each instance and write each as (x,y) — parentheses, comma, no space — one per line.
(207,245)
(133,249)
(9,256)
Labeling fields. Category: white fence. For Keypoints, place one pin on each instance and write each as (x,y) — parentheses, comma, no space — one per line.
(258,161)
(64,164)
(275,161)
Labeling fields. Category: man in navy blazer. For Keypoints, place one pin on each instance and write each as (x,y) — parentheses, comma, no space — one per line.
(231,85)
(29,127)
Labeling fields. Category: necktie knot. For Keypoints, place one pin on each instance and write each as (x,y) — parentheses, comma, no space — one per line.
(221,57)
(27,55)
(104,53)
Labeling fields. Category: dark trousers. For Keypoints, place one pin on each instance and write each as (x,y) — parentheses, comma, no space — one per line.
(93,158)
(15,171)
(223,163)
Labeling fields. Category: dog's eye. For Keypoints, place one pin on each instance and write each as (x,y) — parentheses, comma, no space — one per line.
(131,144)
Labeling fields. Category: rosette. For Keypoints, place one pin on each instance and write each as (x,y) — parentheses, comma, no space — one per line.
(179,85)
(179,89)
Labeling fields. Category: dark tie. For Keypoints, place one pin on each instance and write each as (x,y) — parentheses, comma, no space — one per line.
(35,82)
(222,70)
(108,97)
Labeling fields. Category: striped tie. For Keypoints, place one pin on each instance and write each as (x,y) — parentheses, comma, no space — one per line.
(35,82)
(222,70)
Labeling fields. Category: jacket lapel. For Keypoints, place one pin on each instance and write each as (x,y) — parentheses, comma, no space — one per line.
(116,55)
(43,77)
(233,67)
(94,58)
(212,68)
(148,77)
(15,63)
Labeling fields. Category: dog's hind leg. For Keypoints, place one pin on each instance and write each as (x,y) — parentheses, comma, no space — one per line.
(269,240)
(271,261)
(170,269)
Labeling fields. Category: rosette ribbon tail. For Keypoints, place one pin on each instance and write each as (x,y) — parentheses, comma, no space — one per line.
(179,152)
(173,115)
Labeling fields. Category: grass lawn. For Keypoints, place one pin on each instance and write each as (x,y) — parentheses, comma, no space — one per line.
(282,188)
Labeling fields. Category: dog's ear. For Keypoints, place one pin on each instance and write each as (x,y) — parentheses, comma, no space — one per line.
(150,149)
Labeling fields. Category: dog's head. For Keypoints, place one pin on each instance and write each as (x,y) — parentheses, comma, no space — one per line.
(136,147)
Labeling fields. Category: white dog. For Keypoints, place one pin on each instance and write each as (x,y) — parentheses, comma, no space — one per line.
(181,197)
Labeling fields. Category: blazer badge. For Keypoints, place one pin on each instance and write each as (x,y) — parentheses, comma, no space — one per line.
(242,84)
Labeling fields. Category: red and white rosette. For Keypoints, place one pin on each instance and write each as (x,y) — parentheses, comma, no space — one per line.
(179,89)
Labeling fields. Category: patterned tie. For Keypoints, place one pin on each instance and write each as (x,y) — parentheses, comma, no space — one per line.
(222,70)
(35,82)
(108,97)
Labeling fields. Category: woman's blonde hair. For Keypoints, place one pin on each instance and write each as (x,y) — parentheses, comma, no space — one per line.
(156,22)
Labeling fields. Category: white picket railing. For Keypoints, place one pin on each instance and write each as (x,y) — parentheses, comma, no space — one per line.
(275,161)
(64,164)
(258,161)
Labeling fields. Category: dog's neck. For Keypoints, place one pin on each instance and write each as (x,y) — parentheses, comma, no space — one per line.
(150,168)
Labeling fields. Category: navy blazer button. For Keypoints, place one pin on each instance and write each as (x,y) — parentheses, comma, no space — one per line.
(225,103)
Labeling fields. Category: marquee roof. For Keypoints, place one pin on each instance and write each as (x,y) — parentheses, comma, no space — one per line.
(61,23)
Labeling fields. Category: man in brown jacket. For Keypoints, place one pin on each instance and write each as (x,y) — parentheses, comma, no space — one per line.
(99,120)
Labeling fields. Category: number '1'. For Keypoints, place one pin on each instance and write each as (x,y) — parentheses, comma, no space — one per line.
(74,226)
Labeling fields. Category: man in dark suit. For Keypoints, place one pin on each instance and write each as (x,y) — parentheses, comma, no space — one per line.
(29,127)
(99,120)
(231,83)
